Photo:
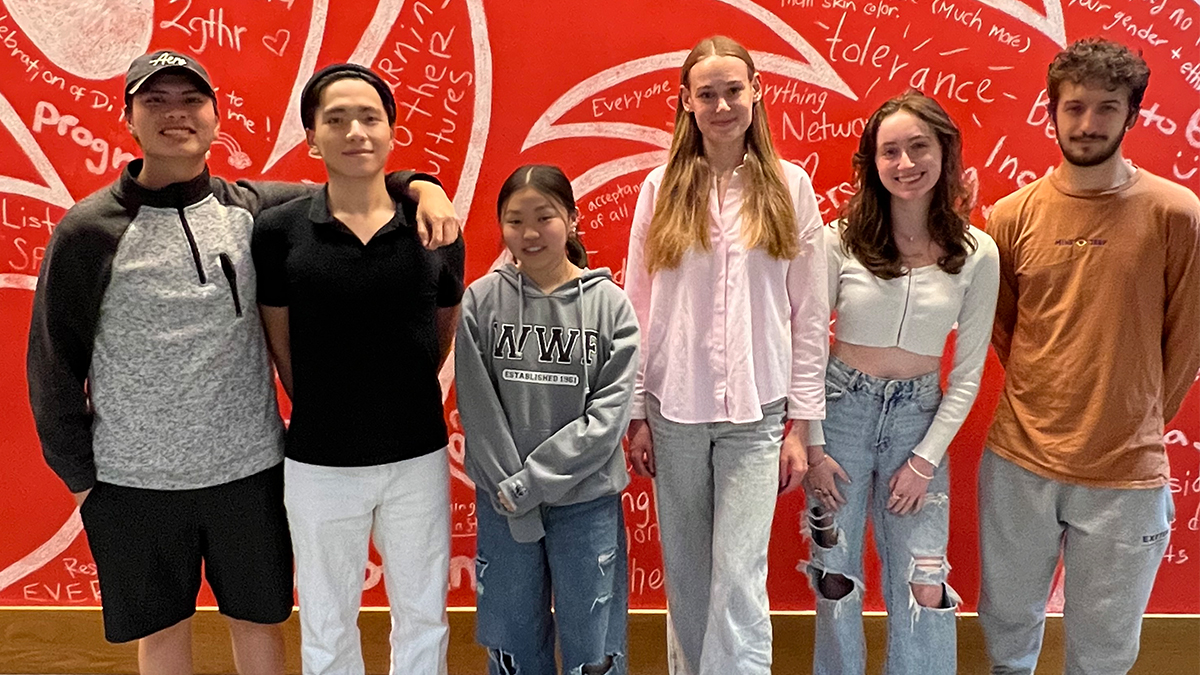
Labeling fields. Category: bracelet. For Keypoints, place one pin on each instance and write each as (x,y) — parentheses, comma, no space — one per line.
(914,470)
(816,464)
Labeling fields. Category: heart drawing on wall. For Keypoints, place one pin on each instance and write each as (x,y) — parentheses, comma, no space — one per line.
(278,42)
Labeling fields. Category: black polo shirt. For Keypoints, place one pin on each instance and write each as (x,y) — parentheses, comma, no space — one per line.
(363,332)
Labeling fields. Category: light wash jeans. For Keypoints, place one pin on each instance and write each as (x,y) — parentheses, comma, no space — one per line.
(1111,542)
(871,427)
(715,495)
(333,511)
(580,565)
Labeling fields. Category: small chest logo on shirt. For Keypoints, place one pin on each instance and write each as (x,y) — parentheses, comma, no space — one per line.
(1154,538)
(1080,242)
(534,377)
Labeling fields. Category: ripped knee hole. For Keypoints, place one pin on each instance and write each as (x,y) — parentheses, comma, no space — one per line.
(820,522)
(598,668)
(834,586)
(933,596)
(506,664)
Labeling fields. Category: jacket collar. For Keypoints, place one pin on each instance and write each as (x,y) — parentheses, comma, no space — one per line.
(132,195)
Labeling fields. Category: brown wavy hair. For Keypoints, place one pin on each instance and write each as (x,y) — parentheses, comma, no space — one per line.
(866,228)
(680,218)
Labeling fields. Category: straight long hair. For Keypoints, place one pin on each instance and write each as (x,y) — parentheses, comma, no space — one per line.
(681,218)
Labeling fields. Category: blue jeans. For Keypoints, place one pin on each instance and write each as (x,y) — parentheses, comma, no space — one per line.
(715,497)
(580,564)
(871,427)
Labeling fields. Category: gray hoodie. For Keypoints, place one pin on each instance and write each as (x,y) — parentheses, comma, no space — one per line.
(545,383)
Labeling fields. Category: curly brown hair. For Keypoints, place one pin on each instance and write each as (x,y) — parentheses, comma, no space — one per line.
(1095,60)
(866,229)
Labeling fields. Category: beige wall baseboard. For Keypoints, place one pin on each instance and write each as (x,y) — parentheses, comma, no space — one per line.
(71,641)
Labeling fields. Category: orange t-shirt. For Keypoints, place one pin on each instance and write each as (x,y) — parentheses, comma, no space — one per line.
(1097,325)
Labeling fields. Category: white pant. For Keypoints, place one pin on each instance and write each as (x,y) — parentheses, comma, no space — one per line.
(333,511)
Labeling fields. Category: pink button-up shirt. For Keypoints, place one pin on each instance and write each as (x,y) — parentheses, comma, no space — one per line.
(731,330)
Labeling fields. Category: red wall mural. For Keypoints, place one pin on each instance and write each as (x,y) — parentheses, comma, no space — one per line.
(486,85)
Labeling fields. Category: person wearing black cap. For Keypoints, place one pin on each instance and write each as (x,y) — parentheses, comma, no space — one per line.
(151,385)
(360,319)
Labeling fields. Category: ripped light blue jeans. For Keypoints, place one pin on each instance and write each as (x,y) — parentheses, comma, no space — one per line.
(871,427)
(580,566)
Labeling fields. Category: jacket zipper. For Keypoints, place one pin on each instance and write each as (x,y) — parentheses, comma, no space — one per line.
(904,314)
(187,230)
(231,276)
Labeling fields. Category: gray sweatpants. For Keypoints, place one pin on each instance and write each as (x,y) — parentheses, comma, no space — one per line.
(1111,542)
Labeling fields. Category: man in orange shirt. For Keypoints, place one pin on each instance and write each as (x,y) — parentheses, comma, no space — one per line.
(1097,326)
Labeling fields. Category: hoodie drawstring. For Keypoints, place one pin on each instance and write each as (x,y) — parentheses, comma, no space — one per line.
(583,341)
(520,306)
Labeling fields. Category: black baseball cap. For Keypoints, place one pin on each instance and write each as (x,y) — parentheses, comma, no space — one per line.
(310,98)
(147,66)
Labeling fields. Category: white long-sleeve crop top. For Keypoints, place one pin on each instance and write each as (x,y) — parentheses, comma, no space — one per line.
(916,312)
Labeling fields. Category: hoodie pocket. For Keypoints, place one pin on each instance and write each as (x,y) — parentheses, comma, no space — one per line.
(231,276)
(527,439)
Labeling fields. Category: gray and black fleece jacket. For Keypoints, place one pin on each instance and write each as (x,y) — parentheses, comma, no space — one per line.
(147,366)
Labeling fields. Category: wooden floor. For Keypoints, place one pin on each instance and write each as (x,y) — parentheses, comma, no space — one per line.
(70,641)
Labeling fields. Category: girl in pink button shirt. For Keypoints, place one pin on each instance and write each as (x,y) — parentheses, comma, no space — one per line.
(726,272)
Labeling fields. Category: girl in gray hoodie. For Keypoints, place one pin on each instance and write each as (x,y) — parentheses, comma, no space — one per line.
(545,361)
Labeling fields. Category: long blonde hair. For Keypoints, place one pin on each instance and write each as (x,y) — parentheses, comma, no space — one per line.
(680,218)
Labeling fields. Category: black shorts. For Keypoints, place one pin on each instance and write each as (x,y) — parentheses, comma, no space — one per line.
(149,544)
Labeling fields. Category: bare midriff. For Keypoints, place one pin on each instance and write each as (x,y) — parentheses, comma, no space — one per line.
(889,363)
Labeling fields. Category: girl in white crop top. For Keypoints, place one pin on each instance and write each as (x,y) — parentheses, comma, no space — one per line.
(905,267)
